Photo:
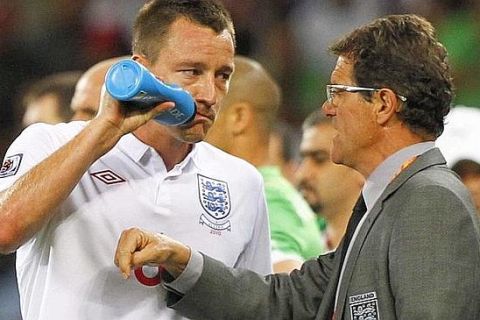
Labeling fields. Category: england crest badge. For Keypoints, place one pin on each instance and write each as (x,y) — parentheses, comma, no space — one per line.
(215,200)
(10,165)
(364,306)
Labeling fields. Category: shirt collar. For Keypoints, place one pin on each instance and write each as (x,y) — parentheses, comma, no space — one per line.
(137,150)
(385,172)
(133,147)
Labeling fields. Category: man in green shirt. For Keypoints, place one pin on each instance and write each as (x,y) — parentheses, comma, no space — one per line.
(243,128)
(330,189)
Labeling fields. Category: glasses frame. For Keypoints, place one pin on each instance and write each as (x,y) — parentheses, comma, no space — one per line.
(332,89)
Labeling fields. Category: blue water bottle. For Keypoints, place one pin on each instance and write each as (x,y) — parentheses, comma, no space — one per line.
(129,81)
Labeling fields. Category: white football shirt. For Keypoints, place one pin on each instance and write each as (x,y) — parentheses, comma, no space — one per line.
(211,201)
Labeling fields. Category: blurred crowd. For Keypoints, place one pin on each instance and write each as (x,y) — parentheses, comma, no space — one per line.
(290,38)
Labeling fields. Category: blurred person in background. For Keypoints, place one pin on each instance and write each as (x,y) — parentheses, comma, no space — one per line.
(48,100)
(283,149)
(329,188)
(459,143)
(243,129)
(18,65)
(68,190)
(469,172)
(86,98)
(459,140)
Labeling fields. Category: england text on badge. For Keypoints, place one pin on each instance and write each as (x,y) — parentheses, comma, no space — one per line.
(364,306)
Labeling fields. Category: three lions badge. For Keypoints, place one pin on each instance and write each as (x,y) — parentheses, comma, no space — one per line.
(215,201)
(364,306)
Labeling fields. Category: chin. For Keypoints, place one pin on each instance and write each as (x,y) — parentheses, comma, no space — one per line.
(193,137)
(192,134)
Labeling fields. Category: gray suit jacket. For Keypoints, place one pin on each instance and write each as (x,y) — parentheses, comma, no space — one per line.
(417,256)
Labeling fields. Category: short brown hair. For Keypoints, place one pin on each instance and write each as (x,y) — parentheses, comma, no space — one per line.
(155,18)
(401,52)
(61,85)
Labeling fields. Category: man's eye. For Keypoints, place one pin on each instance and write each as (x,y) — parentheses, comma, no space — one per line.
(191,72)
(225,75)
(320,159)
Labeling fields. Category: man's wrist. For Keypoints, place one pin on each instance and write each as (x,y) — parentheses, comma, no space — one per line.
(189,277)
(104,133)
(179,258)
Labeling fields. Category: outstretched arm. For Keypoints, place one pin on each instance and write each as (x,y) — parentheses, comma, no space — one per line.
(138,247)
(226,293)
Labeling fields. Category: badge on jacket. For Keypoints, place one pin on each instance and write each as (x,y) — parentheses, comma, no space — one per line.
(364,306)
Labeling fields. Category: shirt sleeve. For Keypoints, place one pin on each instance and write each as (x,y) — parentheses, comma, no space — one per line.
(257,254)
(189,277)
(32,146)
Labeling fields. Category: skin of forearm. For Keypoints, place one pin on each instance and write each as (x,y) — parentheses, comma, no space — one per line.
(30,203)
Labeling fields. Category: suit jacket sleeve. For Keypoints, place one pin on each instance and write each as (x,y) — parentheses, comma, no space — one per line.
(226,293)
(434,256)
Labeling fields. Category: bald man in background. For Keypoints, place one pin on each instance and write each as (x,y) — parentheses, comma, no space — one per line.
(86,98)
(242,128)
(47,100)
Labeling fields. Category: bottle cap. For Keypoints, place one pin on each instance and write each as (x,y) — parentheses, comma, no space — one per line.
(123,79)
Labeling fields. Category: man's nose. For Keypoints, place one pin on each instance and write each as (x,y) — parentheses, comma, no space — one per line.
(302,172)
(206,91)
(328,108)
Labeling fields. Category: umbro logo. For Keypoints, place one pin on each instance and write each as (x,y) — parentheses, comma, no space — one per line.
(108,177)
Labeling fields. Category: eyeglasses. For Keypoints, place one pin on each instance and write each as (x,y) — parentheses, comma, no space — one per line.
(333,89)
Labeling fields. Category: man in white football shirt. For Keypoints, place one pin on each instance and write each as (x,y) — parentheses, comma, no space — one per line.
(67,191)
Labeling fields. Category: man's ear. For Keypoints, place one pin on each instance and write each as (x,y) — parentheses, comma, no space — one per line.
(141,59)
(241,117)
(389,104)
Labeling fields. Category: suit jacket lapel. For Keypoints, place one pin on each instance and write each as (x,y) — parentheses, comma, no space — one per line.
(428,159)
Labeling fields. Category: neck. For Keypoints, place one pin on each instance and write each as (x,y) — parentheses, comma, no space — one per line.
(337,218)
(336,215)
(170,149)
(389,144)
(253,150)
